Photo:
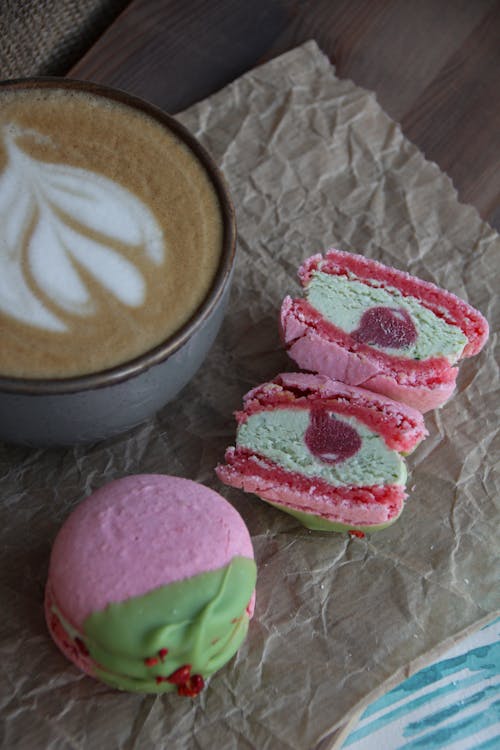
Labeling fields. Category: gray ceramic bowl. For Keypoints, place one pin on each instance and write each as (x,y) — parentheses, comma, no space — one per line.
(96,406)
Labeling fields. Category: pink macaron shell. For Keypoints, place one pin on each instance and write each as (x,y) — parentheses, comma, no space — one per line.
(137,534)
(274,489)
(419,397)
(401,426)
(326,386)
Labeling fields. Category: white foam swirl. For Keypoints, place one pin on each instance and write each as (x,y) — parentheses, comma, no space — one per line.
(41,204)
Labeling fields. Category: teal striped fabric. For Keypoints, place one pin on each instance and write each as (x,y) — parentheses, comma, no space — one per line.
(453,704)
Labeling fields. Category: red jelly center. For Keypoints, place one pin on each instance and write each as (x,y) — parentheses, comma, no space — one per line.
(330,439)
(192,687)
(386,326)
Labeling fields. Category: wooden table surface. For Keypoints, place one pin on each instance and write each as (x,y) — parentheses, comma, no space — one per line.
(434,65)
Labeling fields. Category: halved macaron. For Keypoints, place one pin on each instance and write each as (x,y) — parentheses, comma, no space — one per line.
(327,453)
(373,326)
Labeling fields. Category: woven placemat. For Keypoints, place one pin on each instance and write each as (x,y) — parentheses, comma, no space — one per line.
(46,37)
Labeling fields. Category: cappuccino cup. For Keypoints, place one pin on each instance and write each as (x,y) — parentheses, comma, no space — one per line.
(117,242)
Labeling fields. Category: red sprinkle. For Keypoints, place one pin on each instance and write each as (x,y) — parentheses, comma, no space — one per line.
(162,653)
(150,661)
(161,679)
(356,532)
(181,675)
(192,687)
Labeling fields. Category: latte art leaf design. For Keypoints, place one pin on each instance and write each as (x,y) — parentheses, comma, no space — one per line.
(50,215)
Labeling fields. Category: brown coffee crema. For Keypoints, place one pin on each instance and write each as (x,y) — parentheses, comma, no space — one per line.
(110,233)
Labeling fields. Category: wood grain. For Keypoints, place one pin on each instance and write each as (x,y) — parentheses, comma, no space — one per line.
(434,65)
(456,119)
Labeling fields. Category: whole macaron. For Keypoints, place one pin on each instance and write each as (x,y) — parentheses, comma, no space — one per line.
(151,584)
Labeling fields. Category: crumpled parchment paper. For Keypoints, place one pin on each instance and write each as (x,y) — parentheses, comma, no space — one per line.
(312,161)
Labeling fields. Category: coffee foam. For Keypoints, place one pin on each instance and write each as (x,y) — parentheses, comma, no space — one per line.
(110,233)
(55,196)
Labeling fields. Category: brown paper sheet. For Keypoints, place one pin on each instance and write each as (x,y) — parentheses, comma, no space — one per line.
(312,161)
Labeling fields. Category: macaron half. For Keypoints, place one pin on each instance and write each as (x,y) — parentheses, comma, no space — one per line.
(327,453)
(370,325)
(151,584)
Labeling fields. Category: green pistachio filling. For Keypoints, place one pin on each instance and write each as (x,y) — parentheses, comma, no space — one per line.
(279,435)
(200,621)
(342,301)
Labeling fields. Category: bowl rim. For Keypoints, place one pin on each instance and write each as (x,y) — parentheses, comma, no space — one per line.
(159,353)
